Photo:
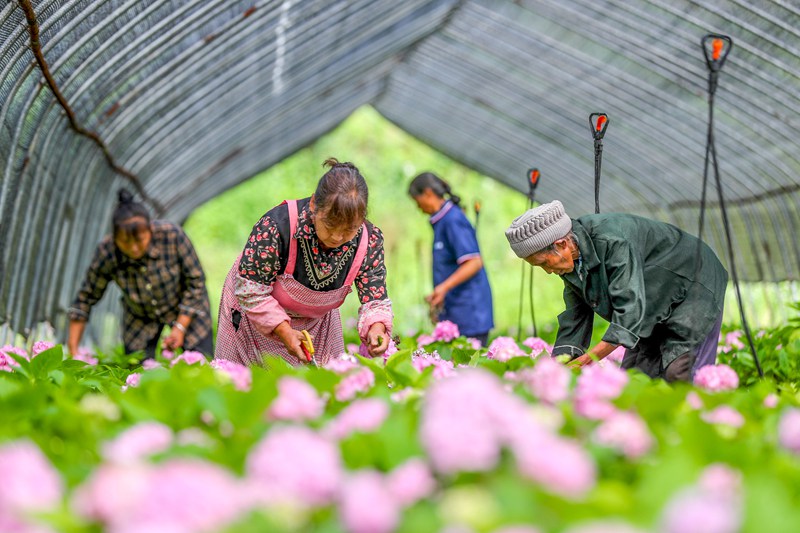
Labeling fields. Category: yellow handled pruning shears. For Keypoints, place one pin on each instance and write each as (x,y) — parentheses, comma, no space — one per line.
(307,346)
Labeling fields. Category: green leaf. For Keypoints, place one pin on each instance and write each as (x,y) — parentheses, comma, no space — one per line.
(46,361)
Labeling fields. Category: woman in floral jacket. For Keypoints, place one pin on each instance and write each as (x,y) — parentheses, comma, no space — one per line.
(297,267)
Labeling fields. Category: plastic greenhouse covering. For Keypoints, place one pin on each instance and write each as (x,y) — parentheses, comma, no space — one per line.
(180,100)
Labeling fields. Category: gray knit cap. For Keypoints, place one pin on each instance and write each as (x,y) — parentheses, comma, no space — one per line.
(538,228)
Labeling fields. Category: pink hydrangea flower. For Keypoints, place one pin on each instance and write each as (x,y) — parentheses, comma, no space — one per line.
(446,331)
(549,380)
(365,416)
(474,343)
(168,354)
(297,401)
(355,383)
(186,495)
(537,346)
(85,356)
(352,348)
(724,415)
(150,364)
(297,464)
(29,481)
(132,381)
(190,358)
(421,360)
(789,430)
(504,348)
(771,401)
(625,432)
(410,482)
(716,378)
(466,419)
(39,347)
(9,349)
(240,375)
(363,350)
(342,364)
(596,387)
(732,341)
(694,400)
(7,363)
(560,465)
(424,340)
(139,442)
(704,508)
(366,504)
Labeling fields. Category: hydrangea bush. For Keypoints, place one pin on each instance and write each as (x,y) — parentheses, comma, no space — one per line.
(440,436)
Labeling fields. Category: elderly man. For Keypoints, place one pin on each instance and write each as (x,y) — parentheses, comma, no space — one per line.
(660,288)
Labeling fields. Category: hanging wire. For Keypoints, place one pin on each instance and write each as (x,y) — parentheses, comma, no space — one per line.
(719,52)
(533,182)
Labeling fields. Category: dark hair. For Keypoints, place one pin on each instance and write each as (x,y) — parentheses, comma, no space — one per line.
(342,193)
(429,180)
(126,210)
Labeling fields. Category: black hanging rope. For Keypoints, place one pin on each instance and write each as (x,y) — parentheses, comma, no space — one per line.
(598,123)
(533,182)
(716,49)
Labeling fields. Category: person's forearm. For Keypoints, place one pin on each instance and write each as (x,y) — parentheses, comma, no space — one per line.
(465,271)
(76,329)
(602,349)
(184,321)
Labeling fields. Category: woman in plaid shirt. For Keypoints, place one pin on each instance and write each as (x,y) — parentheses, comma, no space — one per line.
(162,283)
(300,262)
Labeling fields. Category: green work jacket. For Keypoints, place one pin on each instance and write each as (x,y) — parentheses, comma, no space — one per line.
(640,275)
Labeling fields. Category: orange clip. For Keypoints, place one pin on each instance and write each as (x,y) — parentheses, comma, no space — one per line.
(600,121)
(716,49)
(533,176)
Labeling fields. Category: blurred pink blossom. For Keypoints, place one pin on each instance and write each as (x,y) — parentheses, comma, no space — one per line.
(537,346)
(360,381)
(39,347)
(7,363)
(297,401)
(179,495)
(352,348)
(29,481)
(713,505)
(504,348)
(474,343)
(241,376)
(168,354)
(724,415)
(560,465)
(548,380)
(150,364)
(365,416)
(138,443)
(190,358)
(366,504)
(596,387)
(132,381)
(410,482)
(694,400)
(343,364)
(625,432)
(732,341)
(297,464)
(421,360)
(86,356)
(445,331)
(716,378)
(424,340)
(789,430)
(771,401)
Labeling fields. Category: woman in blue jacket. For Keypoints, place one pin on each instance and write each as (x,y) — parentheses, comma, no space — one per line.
(461,292)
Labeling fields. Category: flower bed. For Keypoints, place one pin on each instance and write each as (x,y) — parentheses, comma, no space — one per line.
(444,437)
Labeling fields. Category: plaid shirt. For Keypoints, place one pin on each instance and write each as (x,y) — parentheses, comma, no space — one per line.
(167,281)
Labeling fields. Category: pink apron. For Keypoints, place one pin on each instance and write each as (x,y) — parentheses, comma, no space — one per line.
(315,311)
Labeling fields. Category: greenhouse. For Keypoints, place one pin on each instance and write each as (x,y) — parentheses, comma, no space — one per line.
(539,341)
